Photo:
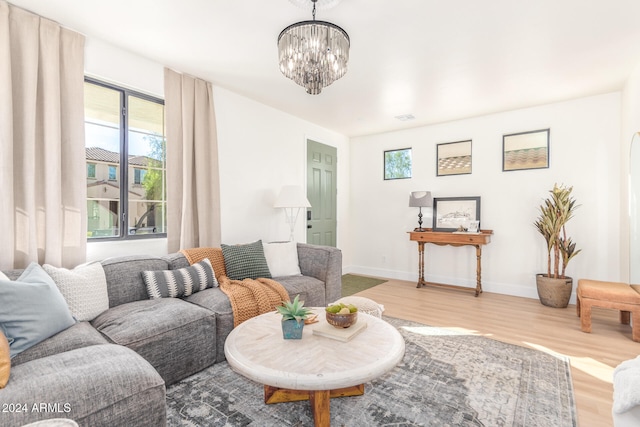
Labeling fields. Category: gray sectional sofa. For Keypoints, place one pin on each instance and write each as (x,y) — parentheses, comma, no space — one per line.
(113,370)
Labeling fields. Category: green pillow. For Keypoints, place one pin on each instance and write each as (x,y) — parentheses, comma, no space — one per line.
(245,261)
(32,309)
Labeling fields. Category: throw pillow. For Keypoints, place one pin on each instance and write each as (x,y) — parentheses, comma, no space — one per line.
(180,283)
(32,309)
(84,288)
(5,360)
(282,258)
(3,276)
(245,261)
(194,255)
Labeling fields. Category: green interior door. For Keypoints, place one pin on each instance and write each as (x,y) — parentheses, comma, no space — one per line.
(321,192)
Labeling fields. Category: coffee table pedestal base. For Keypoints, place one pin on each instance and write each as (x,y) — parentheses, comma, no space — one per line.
(319,399)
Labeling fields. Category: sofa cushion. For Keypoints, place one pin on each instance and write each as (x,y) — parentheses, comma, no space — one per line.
(124,281)
(5,360)
(216,301)
(310,289)
(245,261)
(84,288)
(32,309)
(282,258)
(180,283)
(97,386)
(177,260)
(176,337)
(82,334)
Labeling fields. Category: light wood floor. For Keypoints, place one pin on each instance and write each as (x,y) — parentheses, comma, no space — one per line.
(525,322)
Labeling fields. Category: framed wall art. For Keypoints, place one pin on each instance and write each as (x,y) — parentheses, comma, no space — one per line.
(397,164)
(451,213)
(454,158)
(525,150)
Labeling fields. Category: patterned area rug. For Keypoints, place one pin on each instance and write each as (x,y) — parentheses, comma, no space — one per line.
(445,379)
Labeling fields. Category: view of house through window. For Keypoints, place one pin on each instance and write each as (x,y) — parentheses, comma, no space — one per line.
(125,152)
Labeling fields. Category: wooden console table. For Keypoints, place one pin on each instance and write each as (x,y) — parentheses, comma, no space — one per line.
(453,239)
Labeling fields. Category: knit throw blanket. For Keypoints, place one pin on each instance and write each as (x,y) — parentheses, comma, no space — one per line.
(248,297)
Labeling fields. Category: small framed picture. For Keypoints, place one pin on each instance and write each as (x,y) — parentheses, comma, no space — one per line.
(454,158)
(397,164)
(453,213)
(525,150)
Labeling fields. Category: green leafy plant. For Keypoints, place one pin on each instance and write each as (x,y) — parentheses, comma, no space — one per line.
(293,310)
(554,213)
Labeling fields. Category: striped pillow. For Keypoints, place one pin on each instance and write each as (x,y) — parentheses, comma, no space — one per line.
(180,283)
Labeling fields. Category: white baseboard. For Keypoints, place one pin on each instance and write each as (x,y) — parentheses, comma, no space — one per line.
(525,291)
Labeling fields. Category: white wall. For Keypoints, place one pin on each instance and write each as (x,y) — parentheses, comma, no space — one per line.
(260,150)
(630,125)
(584,153)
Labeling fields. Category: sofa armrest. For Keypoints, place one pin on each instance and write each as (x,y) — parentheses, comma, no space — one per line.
(325,264)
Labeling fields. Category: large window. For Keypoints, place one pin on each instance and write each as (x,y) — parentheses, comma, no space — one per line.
(125,152)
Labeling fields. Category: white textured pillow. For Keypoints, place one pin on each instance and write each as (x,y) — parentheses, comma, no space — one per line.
(282,258)
(84,288)
(3,276)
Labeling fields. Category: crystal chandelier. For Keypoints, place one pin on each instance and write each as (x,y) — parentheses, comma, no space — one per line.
(313,53)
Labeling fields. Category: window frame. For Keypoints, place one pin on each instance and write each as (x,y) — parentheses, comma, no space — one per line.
(122,170)
(139,174)
(115,172)
(94,171)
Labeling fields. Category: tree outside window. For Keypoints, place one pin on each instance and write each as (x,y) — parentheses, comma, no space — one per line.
(397,164)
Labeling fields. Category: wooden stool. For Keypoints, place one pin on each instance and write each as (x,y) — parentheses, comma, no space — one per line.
(615,295)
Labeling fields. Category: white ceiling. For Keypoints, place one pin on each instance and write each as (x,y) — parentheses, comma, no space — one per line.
(439,60)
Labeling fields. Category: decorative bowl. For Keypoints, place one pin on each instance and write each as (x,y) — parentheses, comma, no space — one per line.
(342,320)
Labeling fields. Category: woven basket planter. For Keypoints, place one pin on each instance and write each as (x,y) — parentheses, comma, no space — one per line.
(554,292)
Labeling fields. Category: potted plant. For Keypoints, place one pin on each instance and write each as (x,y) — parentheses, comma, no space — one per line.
(293,316)
(554,287)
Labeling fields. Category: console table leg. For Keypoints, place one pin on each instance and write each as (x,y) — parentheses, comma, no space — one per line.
(478,270)
(421,281)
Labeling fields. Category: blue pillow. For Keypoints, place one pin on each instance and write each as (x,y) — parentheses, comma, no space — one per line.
(32,309)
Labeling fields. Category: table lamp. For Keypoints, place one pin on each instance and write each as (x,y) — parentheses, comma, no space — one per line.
(420,199)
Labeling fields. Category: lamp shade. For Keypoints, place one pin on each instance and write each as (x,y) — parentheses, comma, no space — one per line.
(292,196)
(420,199)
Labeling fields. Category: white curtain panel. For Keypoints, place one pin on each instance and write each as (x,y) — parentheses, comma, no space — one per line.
(193,182)
(42,154)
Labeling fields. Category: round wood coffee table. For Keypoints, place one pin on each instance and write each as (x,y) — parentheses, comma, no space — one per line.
(314,368)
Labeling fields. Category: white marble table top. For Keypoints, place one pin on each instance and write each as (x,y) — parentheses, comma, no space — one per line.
(256,350)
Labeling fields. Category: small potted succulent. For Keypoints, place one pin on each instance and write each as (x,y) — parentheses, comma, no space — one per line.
(293,317)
